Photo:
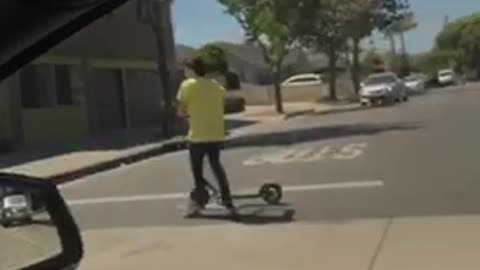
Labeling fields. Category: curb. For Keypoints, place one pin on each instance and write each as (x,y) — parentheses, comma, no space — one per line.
(174,146)
(166,148)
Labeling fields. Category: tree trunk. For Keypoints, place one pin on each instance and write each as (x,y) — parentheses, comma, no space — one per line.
(403,43)
(332,69)
(393,45)
(277,90)
(356,65)
(405,69)
(163,31)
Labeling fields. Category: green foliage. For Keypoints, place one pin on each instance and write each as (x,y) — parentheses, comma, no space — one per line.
(400,64)
(328,25)
(269,23)
(403,24)
(463,36)
(234,104)
(214,57)
(433,61)
(232,81)
(373,62)
(389,12)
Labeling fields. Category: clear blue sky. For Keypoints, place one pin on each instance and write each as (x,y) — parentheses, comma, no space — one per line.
(197,22)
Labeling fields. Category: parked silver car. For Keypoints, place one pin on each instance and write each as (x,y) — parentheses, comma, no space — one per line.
(416,83)
(382,88)
(15,208)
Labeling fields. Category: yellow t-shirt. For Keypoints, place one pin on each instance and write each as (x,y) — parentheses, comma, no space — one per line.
(203,100)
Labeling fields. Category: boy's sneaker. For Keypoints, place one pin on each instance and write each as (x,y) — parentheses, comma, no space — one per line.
(193,209)
(232,210)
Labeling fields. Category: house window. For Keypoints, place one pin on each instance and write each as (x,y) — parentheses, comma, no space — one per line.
(34,85)
(44,86)
(63,85)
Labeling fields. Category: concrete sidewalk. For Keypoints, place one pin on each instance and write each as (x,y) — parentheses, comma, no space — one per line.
(68,165)
(430,243)
(264,113)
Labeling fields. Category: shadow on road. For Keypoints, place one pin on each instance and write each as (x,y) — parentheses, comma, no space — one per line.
(249,219)
(319,133)
(254,214)
(36,222)
(331,112)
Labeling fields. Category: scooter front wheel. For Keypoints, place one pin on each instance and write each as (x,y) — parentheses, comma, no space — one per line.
(271,193)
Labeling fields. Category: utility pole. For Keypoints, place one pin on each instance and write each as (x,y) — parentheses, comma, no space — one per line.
(446,20)
(157,14)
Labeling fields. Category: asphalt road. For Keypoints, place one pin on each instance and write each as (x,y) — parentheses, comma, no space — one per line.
(415,159)
(23,245)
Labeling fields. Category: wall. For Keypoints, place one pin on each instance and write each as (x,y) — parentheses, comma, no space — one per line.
(104,100)
(144,98)
(54,125)
(5,117)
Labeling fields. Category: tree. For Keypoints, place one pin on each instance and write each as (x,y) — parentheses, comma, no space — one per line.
(330,24)
(157,15)
(399,27)
(268,23)
(430,63)
(463,36)
(214,57)
(361,26)
(373,62)
(324,28)
(366,16)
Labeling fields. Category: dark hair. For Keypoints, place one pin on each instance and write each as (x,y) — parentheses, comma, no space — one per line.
(197,65)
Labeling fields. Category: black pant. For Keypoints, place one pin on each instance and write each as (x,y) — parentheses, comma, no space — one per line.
(197,155)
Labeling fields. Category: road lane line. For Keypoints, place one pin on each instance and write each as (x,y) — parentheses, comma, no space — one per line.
(331,186)
(179,196)
(138,198)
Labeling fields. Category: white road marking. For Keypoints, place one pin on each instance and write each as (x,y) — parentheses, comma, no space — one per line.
(351,151)
(302,155)
(332,186)
(179,196)
(16,233)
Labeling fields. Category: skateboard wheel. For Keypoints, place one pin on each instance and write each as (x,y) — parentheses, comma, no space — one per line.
(271,193)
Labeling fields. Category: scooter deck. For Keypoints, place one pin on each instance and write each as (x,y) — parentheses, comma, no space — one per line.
(245,211)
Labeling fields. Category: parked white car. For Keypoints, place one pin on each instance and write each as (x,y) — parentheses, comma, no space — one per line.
(303,80)
(303,87)
(416,83)
(383,88)
(446,77)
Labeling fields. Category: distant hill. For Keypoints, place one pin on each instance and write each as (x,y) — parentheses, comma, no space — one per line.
(184,52)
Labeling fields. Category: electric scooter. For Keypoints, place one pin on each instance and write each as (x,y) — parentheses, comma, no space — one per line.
(270,193)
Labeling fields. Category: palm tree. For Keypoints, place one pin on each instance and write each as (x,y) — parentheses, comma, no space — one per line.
(406,24)
(400,27)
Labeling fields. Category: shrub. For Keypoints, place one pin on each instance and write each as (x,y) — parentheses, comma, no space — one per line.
(234,104)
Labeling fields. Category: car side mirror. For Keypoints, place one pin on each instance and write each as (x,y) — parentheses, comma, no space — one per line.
(37,231)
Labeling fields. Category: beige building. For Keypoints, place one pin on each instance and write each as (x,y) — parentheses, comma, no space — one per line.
(103,79)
